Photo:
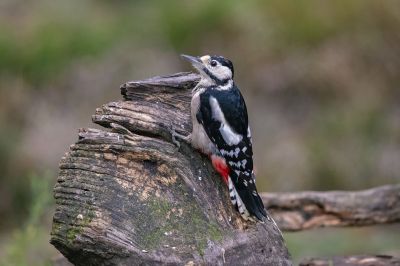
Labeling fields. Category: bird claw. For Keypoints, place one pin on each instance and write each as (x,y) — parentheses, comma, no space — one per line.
(174,140)
(175,136)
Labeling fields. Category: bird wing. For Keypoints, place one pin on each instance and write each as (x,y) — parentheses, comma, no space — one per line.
(223,115)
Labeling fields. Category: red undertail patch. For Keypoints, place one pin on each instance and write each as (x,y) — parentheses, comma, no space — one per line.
(221,167)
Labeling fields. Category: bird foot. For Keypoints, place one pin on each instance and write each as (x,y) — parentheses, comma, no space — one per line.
(175,136)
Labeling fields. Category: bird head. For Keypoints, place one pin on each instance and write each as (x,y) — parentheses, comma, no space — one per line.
(213,69)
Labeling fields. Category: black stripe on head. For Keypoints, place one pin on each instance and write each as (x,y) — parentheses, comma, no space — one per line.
(223,61)
(216,80)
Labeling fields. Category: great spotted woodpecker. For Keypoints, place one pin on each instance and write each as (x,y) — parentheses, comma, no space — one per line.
(221,130)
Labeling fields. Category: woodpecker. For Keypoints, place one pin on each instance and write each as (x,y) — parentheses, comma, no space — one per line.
(221,130)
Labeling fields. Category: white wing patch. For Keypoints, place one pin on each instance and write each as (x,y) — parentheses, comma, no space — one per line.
(228,134)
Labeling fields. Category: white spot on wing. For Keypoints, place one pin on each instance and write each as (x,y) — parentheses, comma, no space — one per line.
(228,134)
(236,164)
(237,150)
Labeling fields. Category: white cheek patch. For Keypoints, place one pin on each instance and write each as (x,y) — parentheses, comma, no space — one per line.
(228,134)
(222,72)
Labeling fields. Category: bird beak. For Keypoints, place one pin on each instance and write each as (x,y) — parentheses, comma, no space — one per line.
(194,60)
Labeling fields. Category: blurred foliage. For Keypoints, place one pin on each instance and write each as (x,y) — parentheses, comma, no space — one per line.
(321,80)
(27,244)
(51,46)
(329,242)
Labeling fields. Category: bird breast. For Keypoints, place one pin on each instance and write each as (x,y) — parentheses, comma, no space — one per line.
(199,139)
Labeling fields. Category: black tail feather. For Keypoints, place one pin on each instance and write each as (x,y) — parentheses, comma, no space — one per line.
(250,198)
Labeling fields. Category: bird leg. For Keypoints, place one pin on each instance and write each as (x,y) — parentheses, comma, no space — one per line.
(175,136)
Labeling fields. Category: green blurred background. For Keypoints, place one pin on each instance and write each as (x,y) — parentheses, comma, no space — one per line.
(321,80)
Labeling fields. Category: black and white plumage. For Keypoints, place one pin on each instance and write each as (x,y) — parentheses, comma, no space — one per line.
(221,130)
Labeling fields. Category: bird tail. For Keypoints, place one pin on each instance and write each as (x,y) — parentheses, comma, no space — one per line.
(246,199)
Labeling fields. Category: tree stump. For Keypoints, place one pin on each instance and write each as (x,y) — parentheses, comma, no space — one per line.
(129,196)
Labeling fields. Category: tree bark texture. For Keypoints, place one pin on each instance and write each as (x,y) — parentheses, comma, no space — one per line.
(128,196)
(305,210)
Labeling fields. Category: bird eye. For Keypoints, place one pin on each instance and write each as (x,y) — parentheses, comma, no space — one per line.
(213,63)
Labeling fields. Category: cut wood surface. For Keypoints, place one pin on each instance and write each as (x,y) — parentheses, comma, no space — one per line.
(305,210)
(127,196)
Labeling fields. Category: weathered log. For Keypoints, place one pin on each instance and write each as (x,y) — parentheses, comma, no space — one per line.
(305,210)
(128,196)
(364,260)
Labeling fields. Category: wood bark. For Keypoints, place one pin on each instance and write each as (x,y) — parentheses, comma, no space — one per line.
(128,196)
(305,210)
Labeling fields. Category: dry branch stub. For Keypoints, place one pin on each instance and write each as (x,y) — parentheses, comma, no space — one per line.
(309,209)
(128,196)
(356,260)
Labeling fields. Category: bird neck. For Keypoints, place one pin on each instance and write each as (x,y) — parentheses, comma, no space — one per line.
(207,81)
